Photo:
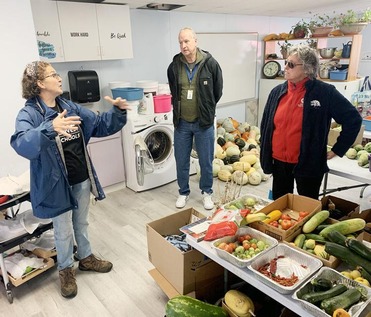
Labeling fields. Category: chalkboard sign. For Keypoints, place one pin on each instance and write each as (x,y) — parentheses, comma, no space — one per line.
(236,54)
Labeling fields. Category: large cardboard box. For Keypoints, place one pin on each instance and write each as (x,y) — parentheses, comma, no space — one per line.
(349,208)
(335,132)
(288,203)
(179,268)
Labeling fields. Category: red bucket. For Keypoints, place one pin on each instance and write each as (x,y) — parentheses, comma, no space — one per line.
(162,103)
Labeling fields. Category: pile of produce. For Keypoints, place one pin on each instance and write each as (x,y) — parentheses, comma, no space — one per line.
(333,296)
(284,221)
(316,233)
(237,153)
(360,153)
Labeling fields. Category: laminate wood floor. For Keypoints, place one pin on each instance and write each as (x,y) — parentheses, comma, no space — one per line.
(118,233)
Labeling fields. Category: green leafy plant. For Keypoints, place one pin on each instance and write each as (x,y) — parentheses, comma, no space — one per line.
(300,29)
(352,16)
(321,20)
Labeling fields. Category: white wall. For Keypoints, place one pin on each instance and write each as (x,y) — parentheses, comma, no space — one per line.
(154,44)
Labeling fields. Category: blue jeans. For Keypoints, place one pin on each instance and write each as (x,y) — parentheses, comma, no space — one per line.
(72,226)
(204,141)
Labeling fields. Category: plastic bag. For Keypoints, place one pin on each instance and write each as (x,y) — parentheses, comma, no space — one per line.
(220,230)
(362,98)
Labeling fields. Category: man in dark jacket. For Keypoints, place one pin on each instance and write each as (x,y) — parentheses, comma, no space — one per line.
(196,84)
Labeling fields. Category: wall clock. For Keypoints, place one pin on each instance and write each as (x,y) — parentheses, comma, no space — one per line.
(271,69)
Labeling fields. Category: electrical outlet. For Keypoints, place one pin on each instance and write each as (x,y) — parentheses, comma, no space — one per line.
(366,55)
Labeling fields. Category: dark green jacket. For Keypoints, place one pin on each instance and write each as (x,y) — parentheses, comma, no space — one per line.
(209,88)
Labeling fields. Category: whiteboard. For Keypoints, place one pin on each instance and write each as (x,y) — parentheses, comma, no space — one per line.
(236,54)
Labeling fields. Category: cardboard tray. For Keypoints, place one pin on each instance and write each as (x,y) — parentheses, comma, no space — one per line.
(288,203)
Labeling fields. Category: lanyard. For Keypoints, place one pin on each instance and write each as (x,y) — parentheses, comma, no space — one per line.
(190,74)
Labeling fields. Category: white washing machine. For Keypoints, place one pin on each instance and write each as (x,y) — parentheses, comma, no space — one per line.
(148,151)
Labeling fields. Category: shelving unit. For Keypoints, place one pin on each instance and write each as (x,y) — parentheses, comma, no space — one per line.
(272,47)
(9,244)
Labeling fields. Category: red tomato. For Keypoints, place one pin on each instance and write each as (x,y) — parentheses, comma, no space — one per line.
(285,217)
(244,212)
(286,224)
(303,214)
(274,224)
(247,237)
(232,245)
(246,245)
(241,239)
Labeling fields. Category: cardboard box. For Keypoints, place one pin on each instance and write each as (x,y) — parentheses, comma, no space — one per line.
(178,267)
(209,282)
(349,208)
(289,203)
(333,135)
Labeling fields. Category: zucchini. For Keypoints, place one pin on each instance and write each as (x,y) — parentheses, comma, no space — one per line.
(316,297)
(186,306)
(364,273)
(321,284)
(344,300)
(337,237)
(322,226)
(299,240)
(315,221)
(360,248)
(347,255)
(345,227)
(315,237)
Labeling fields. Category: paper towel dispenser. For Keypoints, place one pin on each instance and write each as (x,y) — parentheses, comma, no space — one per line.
(84,86)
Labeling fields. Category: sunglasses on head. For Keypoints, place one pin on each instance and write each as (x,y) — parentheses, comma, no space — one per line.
(291,64)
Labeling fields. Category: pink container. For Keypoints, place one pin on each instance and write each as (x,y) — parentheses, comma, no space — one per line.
(162,103)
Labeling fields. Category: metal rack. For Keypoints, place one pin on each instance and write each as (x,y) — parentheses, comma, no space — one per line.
(9,244)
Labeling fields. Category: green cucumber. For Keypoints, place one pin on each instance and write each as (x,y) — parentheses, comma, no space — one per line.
(364,273)
(186,306)
(337,237)
(344,300)
(315,237)
(345,226)
(299,240)
(316,297)
(315,221)
(360,248)
(347,255)
(321,284)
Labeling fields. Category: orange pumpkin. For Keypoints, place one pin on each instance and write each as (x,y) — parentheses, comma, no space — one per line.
(245,135)
(236,133)
(235,123)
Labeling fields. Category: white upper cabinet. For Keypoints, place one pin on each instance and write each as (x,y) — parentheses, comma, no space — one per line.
(75,31)
(79,29)
(48,34)
(114,31)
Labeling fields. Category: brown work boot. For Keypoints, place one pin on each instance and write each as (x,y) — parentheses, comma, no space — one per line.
(68,282)
(92,263)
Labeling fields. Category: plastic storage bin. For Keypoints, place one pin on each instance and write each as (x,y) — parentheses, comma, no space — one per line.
(367,123)
(128,93)
(339,74)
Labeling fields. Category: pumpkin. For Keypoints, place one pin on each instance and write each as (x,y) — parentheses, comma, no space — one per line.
(227,167)
(236,134)
(218,161)
(235,123)
(224,175)
(255,178)
(245,135)
(250,158)
(234,159)
(221,141)
(216,169)
(220,131)
(240,142)
(233,150)
(241,166)
(229,137)
(220,153)
(240,178)
(228,125)
(252,140)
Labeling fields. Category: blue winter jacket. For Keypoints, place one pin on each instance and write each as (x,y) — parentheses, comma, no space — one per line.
(36,140)
(322,103)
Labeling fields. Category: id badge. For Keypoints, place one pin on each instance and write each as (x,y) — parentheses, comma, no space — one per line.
(189,94)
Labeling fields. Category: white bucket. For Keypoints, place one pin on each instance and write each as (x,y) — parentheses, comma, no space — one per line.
(146,105)
(134,106)
(148,86)
(118,84)
(163,89)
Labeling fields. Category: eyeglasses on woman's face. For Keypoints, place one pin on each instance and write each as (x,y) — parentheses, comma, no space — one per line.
(54,75)
(291,64)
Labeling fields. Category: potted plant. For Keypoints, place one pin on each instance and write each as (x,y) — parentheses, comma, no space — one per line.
(321,25)
(353,22)
(300,29)
(284,47)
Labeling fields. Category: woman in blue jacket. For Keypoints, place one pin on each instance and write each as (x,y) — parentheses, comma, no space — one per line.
(52,133)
